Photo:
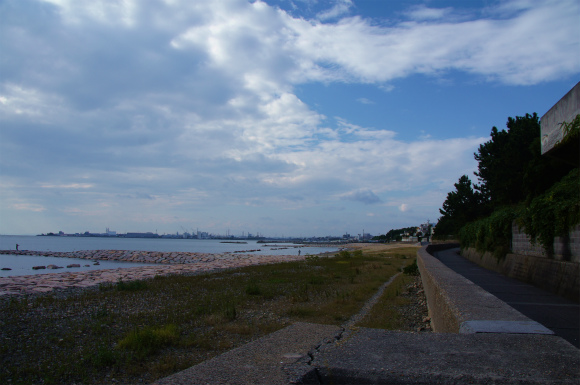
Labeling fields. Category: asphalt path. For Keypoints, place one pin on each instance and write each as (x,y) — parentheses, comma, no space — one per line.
(558,314)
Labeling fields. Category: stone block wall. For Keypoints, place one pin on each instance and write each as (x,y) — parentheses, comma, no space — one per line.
(558,277)
(521,245)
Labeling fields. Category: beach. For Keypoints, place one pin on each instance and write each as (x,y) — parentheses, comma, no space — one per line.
(167,263)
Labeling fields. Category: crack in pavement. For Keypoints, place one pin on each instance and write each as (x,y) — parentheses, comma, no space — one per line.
(347,328)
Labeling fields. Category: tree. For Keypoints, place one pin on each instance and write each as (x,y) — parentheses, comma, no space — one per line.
(511,167)
(461,206)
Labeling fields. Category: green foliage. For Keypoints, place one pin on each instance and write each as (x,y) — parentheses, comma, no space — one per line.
(516,183)
(395,234)
(571,131)
(461,206)
(344,254)
(553,213)
(493,233)
(511,167)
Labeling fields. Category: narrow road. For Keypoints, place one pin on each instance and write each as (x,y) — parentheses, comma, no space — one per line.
(558,314)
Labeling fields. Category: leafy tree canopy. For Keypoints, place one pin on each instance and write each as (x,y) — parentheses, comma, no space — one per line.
(461,206)
(396,234)
(511,167)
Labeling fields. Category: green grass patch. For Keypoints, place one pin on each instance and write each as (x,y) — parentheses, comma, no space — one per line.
(147,341)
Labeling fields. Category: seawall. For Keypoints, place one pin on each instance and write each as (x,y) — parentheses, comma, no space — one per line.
(178,257)
(457,305)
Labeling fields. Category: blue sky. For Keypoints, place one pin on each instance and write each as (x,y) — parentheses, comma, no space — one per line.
(287,118)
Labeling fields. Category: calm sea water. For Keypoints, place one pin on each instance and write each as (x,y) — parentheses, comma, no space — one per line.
(22,265)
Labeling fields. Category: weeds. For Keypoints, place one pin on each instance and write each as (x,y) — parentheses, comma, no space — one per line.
(411,269)
(148,341)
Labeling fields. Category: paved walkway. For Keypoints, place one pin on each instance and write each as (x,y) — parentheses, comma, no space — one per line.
(558,314)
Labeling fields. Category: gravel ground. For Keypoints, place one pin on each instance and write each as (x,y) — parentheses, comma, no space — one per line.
(416,314)
(29,329)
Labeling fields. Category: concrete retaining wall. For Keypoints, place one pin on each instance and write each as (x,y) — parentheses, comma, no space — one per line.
(559,277)
(457,305)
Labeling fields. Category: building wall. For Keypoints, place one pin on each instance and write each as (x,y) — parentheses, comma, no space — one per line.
(563,111)
(521,245)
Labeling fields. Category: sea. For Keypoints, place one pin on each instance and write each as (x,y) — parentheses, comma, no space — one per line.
(22,264)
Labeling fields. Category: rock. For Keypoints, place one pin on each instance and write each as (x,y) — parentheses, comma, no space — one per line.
(73,265)
(427,319)
(87,265)
(38,267)
(6,268)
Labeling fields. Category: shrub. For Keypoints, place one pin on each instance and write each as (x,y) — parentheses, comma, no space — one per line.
(344,254)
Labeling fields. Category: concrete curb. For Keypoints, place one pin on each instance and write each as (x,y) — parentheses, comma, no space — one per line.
(457,305)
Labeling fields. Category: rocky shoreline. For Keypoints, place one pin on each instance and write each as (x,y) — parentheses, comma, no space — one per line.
(169,263)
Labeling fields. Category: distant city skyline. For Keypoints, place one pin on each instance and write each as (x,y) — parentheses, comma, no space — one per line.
(199,235)
(279,117)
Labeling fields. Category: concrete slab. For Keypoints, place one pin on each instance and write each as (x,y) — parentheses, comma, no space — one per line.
(374,356)
(263,361)
(513,327)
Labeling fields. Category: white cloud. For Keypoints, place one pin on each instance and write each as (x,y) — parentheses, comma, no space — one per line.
(365,101)
(68,186)
(421,12)
(533,46)
(28,207)
(176,105)
(341,8)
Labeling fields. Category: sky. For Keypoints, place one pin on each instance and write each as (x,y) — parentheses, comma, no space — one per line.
(283,118)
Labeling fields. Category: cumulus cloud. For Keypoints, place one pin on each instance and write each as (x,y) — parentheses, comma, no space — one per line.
(177,104)
(501,49)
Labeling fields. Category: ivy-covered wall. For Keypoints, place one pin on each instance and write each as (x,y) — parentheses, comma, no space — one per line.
(564,249)
(548,218)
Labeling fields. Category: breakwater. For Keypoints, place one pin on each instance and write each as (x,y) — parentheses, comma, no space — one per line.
(167,263)
(177,257)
